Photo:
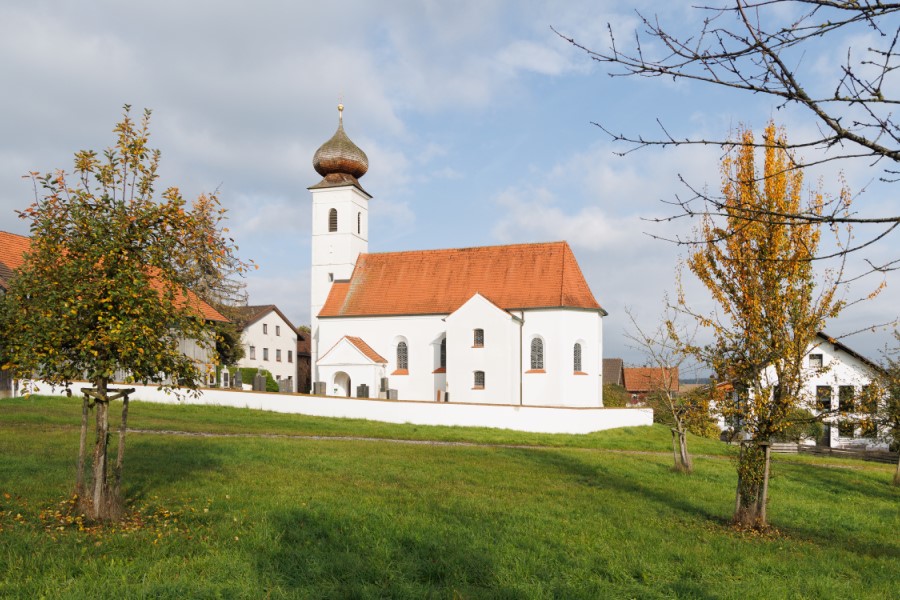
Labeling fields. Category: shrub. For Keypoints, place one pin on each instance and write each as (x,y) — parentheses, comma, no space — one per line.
(614,395)
(248,373)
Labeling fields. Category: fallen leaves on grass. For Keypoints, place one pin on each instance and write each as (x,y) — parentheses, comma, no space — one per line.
(148,518)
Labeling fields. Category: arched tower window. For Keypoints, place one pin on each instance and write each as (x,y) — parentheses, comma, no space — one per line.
(443,364)
(402,356)
(359,223)
(576,360)
(332,220)
(537,354)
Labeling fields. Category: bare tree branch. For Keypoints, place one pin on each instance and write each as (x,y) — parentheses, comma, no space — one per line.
(751,46)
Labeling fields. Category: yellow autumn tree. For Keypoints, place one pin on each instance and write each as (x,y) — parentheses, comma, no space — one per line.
(755,257)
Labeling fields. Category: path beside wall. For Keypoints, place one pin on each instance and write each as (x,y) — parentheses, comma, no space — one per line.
(536,419)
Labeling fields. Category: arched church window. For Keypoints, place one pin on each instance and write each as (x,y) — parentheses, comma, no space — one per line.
(443,364)
(402,356)
(577,358)
(359,223)
(332,220)
(537,354)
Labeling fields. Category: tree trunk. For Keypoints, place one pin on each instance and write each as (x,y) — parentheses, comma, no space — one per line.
(753,483)
(897,474)
(82,447)
(100,488)
(764,496)
(120,458)
(687,463)
(683,463)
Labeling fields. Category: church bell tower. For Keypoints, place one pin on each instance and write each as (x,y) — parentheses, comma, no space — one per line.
(340,221)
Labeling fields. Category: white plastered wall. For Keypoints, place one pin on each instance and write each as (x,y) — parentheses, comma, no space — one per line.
(497,357)
(560,329)
(421,333)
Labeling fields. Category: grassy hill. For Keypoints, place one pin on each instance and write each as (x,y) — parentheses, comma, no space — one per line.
(258,512)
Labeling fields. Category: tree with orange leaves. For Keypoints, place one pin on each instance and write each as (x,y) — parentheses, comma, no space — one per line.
(771,301)
(106,287)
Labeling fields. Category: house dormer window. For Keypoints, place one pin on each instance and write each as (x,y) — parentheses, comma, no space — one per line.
(479,338)
(332,220)
(537,354)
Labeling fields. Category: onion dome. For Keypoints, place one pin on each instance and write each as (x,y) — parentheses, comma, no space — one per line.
(339,160)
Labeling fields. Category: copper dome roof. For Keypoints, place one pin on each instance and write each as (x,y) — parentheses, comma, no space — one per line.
(339,155)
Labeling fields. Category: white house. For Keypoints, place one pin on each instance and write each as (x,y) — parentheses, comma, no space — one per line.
(512,324)
(270,343)
(836,378)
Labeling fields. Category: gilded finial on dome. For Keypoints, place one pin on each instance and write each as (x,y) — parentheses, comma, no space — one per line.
(341,113)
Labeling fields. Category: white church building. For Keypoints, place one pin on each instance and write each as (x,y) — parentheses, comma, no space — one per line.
(513,324)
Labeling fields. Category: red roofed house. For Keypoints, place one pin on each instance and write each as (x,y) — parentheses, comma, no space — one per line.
(640,381)
(513,324)
(12,250)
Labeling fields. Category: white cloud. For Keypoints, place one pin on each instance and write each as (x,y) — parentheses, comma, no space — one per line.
(534,215)
(290,295)
(526,55)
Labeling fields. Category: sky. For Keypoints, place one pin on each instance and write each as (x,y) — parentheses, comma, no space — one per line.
(476,118)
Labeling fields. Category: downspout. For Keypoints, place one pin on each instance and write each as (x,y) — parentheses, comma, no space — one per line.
(521,378)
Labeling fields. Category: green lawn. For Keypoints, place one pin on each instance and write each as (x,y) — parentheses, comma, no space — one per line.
(257,517)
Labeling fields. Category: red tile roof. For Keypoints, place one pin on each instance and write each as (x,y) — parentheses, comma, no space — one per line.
(12,250)
(336,297)
(193,300)
(440,281)
(361,346)
(366,349)
(645,379)
(248,315)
